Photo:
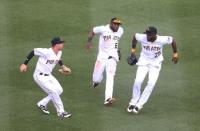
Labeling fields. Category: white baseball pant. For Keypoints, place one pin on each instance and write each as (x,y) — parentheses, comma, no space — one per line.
(110,66)
(52,87)
(138,98)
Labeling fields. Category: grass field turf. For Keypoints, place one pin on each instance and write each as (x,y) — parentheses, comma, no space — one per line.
(25,24)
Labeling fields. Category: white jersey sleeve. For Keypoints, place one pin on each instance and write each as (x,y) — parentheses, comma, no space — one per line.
(166,39)
(40,51)
(60,54)
(98,29)
(139,37)
(122,31)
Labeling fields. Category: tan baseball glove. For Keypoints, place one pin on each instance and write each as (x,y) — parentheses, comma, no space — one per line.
(65,70)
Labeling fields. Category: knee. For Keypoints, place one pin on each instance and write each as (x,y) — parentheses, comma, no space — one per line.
(150,85)
(138,82)
(97,77)
(53,92)
(60,91)
(110,76)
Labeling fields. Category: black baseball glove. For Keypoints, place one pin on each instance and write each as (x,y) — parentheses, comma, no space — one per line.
(132,60)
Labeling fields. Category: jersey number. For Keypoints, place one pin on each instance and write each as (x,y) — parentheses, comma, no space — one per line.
(157,54)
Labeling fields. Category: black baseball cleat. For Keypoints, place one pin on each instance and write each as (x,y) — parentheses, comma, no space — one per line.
(64,114)
(136,110)
(109,101)
(95,84)
(130,108)
(43,109)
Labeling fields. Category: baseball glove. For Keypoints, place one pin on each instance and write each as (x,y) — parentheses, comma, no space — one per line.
(132,60)
(65,70)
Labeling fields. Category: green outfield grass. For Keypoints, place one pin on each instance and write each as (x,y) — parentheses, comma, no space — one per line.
(25,24)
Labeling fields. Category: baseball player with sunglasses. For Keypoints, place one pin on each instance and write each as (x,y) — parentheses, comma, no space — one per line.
(108,55)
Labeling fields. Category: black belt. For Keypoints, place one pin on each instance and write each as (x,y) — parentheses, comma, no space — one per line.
(43,74)
(110,57)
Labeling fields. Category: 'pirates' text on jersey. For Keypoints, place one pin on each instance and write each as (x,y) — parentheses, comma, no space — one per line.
(152,50)
(108,41)
(47,59)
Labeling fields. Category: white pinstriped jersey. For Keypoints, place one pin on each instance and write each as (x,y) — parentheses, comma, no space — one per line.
(152,51)
(108,41)
(47,59)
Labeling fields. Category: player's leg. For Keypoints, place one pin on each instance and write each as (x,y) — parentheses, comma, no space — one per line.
(58,102)
(45,83)
(47,99)
(140,76)
(55,82)
(111,65)
(42,104)
(98,72)
(44,101)
(153,76)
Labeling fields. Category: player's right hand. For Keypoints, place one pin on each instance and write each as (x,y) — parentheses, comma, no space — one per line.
(89,45)
(23,68)
(175,58)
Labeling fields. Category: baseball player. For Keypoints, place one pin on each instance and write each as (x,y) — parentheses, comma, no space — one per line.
(47,59)
(108,55)
(149,62)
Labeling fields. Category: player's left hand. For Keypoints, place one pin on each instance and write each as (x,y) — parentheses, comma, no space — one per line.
(132,60)
(175,58)
(65,70)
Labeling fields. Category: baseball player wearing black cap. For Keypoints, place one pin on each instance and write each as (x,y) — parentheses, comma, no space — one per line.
(149,62)
(48,59)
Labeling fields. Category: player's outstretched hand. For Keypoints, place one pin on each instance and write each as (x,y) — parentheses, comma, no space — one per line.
(23,68)
(89,45)
(175,58)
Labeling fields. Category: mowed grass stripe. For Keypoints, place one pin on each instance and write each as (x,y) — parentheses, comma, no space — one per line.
(5,67)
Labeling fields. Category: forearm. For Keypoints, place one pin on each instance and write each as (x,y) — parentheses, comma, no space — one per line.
(60,62)
(29,57)
(134,43)
(90,36)
(174,47)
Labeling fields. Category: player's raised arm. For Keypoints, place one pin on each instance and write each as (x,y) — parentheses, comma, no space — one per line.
(132,60)
(23,67)
(134,43)
(90,37)
(175,52)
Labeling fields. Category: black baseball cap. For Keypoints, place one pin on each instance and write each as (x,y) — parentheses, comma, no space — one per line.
(116,20)
(151,30)
(57,40)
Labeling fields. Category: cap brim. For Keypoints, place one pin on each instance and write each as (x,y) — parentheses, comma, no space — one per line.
(117,22)
(149,33)
(62,41)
